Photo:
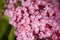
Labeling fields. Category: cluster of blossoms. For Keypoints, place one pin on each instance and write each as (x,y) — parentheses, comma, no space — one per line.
(34,19)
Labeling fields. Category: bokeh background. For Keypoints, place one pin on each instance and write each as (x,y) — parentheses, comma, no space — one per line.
(6,30)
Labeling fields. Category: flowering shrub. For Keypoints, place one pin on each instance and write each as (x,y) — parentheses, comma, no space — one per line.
(34,19)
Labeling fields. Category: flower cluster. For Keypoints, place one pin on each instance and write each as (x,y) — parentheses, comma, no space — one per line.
(34,19)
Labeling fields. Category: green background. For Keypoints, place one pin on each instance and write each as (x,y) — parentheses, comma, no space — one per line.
(6,30)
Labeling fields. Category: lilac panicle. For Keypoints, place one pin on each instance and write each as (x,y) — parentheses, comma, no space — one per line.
(34,19)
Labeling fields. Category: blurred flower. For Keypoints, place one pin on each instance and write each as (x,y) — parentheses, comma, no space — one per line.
(34,19)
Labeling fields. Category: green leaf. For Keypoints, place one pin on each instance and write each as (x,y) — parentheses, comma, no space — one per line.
(11,35)
(1,5)
(6,18)
(1,1)
(3,27)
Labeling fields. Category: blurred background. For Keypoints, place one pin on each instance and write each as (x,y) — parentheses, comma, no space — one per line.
(6,30)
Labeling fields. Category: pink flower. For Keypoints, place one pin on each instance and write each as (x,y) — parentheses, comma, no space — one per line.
(34,19)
